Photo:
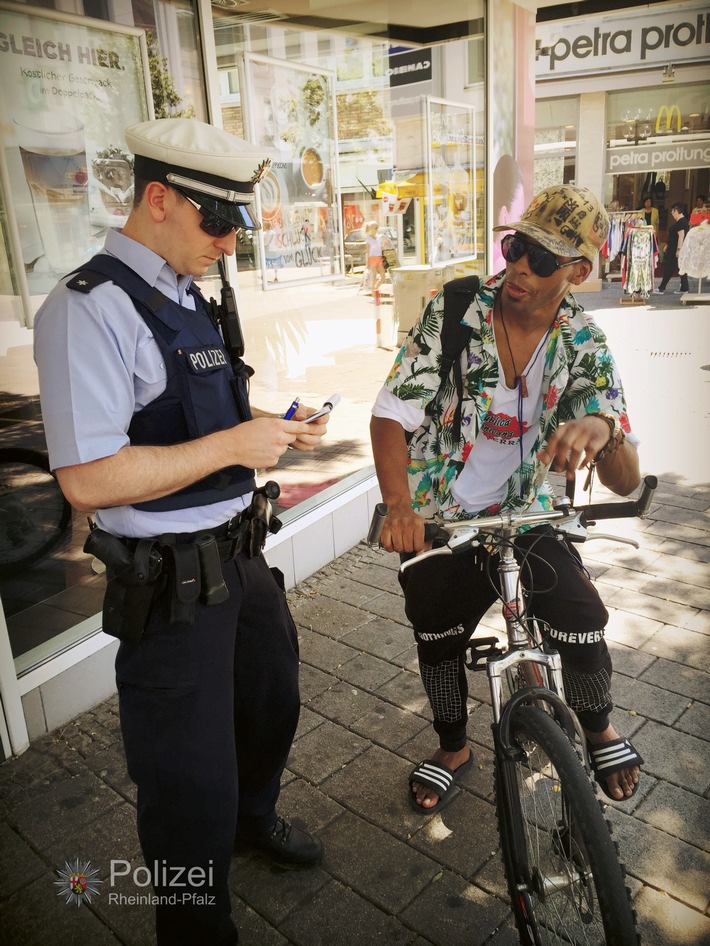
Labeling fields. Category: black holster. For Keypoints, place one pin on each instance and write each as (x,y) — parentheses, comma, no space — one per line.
(132,581)
(126,609)
(188,566)
(258,520)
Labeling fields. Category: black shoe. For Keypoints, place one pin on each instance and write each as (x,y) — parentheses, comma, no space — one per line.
(287,844)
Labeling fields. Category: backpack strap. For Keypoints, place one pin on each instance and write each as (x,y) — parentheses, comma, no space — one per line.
(458,296)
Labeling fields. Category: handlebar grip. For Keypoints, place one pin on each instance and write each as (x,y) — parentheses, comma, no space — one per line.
(629,510)
(432,532)
(644,501)
(378,521)
(597,511)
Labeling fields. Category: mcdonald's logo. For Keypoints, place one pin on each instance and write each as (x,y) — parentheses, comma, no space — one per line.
(669,114)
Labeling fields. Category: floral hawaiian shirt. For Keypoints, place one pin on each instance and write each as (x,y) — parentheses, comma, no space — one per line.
(580,377)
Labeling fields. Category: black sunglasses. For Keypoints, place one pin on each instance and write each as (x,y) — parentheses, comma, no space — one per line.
(212,225)
(542,262)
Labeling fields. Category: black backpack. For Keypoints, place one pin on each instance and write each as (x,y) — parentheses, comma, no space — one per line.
(458,296)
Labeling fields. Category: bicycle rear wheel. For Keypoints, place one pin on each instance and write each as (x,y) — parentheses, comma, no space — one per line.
(33,510)
(564,877)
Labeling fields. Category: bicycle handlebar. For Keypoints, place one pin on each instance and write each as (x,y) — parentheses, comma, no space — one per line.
(431,530)
(638,507)
(434,531)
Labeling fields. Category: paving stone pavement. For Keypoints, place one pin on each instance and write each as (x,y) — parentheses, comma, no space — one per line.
(391,877)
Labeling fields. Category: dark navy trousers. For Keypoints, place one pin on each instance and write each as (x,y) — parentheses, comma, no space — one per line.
(208,715)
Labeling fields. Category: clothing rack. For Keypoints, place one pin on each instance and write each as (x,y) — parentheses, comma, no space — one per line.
(619,220)
(638,266)
(694,260)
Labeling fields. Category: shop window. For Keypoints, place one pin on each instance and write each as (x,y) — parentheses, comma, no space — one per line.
(298,339)
(649,116)
(476,55)
(556,122)
(350,64)
(46,597)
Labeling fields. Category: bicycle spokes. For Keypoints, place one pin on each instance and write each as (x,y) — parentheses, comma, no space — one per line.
(564,877)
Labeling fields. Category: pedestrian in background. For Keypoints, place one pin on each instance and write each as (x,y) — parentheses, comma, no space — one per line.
(375,265)
(650,214)
(676,235)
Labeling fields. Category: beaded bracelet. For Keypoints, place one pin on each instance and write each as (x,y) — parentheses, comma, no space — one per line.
(616,436)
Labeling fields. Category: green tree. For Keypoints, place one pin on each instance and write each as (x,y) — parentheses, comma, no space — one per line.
(360,115)
(166,98)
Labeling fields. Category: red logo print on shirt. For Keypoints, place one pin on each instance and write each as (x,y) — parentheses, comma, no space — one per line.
(502,428)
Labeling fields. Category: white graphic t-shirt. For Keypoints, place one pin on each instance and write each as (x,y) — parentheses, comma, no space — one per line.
(495,454)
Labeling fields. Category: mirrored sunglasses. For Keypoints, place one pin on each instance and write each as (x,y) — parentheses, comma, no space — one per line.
(542,262)
(212,225)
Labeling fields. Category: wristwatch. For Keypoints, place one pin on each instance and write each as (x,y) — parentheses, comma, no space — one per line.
(616,435)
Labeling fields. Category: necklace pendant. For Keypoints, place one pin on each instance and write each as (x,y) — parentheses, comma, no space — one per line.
(522,384)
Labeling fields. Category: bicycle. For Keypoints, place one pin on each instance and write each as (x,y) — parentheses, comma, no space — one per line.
(565,880)
(33,511)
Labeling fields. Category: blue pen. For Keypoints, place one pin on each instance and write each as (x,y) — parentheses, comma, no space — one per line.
(292,409)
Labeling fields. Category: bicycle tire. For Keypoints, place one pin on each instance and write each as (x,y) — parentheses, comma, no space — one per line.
(33,510)
(565,880)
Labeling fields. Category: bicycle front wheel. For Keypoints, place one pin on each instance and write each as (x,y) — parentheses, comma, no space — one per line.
(33,510)
(564,877)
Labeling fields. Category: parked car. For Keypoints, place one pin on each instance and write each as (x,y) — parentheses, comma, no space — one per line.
(356,246)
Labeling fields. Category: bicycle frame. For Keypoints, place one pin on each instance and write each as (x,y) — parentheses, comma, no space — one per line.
(545,687)
(456,536)
(565,880)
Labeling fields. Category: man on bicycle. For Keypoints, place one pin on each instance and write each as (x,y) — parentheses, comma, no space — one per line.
(540,389)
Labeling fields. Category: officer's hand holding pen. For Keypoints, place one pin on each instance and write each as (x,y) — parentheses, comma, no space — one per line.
(299,412)
(259,443)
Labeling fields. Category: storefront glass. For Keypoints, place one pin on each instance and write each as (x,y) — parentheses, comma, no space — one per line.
(69,86)
(556,123)
(368,113)
(292,115)
(342,116)
(658,146)
(652,115)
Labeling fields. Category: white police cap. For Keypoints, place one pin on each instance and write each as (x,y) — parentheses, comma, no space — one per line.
(216,169)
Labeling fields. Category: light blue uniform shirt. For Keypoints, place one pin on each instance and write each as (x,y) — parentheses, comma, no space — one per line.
(99,364)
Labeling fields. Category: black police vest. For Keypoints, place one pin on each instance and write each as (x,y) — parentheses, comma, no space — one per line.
(203,393)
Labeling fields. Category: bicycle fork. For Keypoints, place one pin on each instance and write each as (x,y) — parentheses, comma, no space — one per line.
(541,671)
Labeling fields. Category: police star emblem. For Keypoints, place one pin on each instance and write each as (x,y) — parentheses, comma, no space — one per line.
(261,171)
(78,882)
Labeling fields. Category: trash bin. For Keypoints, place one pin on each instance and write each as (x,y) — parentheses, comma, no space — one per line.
(413,288)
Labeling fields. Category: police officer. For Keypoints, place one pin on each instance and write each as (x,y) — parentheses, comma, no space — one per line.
(149,426)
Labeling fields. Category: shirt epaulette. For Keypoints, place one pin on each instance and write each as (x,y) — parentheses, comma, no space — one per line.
(85,280)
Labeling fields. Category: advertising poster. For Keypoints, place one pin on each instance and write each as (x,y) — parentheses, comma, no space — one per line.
(293,117)
(451,201)
(69,86)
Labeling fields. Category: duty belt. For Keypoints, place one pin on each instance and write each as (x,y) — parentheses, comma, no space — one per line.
(186,563)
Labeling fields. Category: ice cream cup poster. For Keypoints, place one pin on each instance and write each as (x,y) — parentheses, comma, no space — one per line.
(69,86)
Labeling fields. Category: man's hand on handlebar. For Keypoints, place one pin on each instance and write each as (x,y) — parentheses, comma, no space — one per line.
(403,530)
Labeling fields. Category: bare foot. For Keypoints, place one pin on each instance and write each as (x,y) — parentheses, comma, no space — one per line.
(620,784)
(427,797)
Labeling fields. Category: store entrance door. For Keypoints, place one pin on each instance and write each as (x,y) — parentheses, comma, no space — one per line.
(13,728)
